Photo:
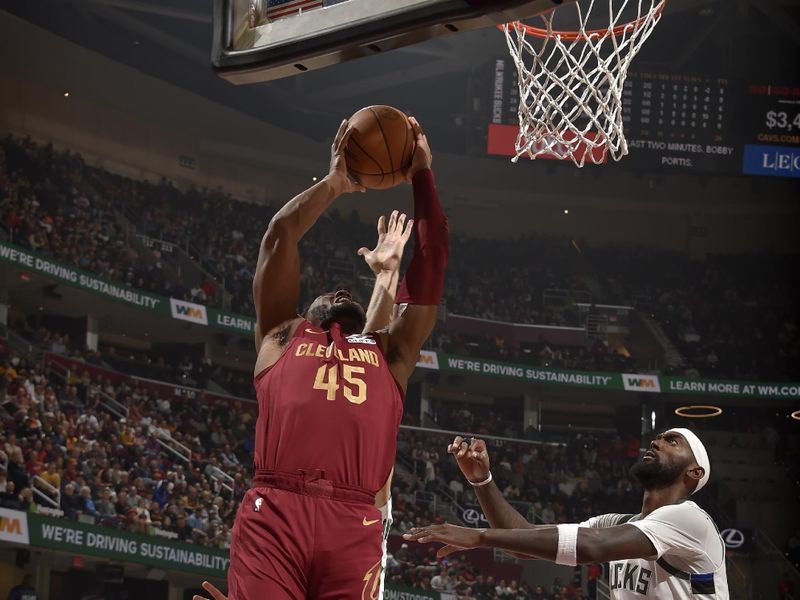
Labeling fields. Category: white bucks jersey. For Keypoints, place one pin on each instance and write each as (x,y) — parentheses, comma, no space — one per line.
(387,520)
(689,562)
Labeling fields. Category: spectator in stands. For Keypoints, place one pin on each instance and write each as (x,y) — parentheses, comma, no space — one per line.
(25,590)
(105,505)
(441,582)
(9,498)
(16,471)
(70,502)
(88,506)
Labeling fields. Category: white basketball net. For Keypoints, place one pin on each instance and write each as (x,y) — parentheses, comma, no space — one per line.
(571,83)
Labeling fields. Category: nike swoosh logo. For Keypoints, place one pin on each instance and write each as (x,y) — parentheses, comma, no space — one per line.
(366,523)
(311,331)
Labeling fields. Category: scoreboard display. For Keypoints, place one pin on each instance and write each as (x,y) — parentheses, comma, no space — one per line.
(679,121)
(682,122)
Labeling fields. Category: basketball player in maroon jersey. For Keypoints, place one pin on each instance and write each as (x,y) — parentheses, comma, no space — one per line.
(384,261)
(330,403)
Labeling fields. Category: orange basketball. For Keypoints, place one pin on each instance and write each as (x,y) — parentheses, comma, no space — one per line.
(381,146)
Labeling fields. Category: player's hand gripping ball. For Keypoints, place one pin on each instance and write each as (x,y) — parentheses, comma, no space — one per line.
(381,147)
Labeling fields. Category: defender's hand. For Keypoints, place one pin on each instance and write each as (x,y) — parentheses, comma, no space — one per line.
(211,589)
(338,176)
(455,538)
(388,251)
(472,458)
(422,158)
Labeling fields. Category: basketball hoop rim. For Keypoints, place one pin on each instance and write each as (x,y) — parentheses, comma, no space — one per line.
(571,35)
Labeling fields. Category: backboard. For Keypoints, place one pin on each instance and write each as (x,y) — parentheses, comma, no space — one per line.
(262,40)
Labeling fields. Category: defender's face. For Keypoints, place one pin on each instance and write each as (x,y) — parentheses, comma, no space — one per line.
(669,449)
(337,307)
(665,462)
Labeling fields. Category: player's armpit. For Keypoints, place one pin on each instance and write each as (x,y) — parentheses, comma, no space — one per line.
(407,333)
(274,342)
(613,543)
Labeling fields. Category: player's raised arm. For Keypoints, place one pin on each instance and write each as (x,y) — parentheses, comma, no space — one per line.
(276,284)
(472,457)
(421,288)
(384,262)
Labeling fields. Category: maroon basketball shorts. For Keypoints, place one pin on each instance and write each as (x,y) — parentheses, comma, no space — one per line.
(301,537)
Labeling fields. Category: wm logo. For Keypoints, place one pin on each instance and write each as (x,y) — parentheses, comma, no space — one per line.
(11,526)
(189,311)
(643,383)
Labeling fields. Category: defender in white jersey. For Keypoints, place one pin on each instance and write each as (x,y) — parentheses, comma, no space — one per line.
(671,549)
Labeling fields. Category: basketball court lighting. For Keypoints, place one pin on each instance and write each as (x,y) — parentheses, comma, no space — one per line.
(314,178)
(66,94)
(566,211)
(709,411)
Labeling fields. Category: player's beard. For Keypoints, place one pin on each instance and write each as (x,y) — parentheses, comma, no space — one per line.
(349,315)
(654,474)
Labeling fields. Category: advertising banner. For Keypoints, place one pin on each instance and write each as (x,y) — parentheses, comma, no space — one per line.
(401,592)
(177,309)
(92,540)
(13,526)
(188,311)
(630,382)
(76,278)
(586,379)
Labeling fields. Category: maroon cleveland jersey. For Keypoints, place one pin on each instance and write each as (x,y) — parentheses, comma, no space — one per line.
(330,403)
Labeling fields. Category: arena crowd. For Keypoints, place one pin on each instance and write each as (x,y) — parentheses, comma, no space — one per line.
(54,203)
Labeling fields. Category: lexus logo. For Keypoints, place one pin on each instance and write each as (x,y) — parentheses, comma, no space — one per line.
(472,517)
(733,538)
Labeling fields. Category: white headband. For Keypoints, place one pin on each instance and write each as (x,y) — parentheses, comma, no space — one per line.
(699,451)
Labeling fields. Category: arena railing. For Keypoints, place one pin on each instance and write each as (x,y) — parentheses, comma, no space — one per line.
(15,340)
(116,408)
(59,370)
(597,327)
(221,478)
(184,252)
(561,297)
(499,440)
(181,451)
(54,499)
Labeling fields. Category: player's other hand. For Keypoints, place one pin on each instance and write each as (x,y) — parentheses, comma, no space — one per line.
(472,458)
(422,158)
(211,589)
(388,251)
(454,537)
(338,176)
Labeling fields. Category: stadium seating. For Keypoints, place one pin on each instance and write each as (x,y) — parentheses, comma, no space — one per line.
(47,196)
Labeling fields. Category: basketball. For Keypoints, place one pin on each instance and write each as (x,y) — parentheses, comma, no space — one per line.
(381,146)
